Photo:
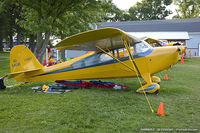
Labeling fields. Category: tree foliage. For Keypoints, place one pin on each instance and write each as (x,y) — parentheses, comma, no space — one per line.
(187,8)
(150,10)
(45,18)
(3,31)
(9,14)
(114,14)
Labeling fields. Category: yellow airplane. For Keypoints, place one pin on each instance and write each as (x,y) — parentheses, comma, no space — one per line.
(113,54)
(161,43)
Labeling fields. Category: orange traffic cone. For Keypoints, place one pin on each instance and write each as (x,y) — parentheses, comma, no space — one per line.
(182,61)
(165,77)
(160,109)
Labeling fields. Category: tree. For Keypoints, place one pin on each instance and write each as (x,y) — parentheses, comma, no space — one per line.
(114,14)
(45,18)
(9,15)
(150,10)
(73,22)
(187,8)
(2,29)
(3,24)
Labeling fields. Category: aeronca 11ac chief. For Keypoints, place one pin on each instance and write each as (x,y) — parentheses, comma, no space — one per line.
(113,54)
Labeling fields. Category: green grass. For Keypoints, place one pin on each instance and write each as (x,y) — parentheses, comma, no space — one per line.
(102,110)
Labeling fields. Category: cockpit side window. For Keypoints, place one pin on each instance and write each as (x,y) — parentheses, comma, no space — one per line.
(118,53)
(122,52)
(105,57)
(138,48)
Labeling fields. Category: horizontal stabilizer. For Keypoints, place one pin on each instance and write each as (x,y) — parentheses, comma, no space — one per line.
(13,75)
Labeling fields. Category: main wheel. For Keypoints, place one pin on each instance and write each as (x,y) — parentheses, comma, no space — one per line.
(149,88)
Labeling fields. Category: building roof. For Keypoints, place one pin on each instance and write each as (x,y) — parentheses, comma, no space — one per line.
(162,35)
(186,25)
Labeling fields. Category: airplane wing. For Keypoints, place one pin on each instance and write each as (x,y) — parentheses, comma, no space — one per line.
(105,38)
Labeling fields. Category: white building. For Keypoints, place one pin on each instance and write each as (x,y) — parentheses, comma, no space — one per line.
(186,31)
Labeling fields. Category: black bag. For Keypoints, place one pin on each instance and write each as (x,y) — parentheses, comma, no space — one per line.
(2,86)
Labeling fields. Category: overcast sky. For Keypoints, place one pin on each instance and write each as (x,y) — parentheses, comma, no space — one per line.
(126,4)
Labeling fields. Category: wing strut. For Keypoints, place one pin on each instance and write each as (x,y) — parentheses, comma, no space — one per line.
(127,46)
(130,56)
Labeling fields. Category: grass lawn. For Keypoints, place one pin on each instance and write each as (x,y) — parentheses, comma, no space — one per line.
(102,110)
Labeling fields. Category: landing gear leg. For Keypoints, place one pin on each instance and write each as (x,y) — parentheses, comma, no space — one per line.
(154,79)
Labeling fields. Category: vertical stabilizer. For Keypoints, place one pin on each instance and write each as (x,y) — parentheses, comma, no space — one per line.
(22,60)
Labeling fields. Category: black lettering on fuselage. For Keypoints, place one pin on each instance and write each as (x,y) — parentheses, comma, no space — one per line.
(28,58)
(15,65)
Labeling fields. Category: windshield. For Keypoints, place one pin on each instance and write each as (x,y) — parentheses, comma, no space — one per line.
(141,47)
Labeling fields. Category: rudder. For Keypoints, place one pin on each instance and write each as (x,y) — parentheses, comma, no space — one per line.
(22,60)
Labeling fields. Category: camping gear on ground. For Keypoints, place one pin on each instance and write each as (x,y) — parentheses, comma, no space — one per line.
(51,89)
(92,83)
(74,84)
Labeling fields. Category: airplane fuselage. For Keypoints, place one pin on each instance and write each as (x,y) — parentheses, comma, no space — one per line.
(98,65)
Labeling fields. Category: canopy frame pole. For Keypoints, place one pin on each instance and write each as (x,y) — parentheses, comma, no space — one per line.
(115,58)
